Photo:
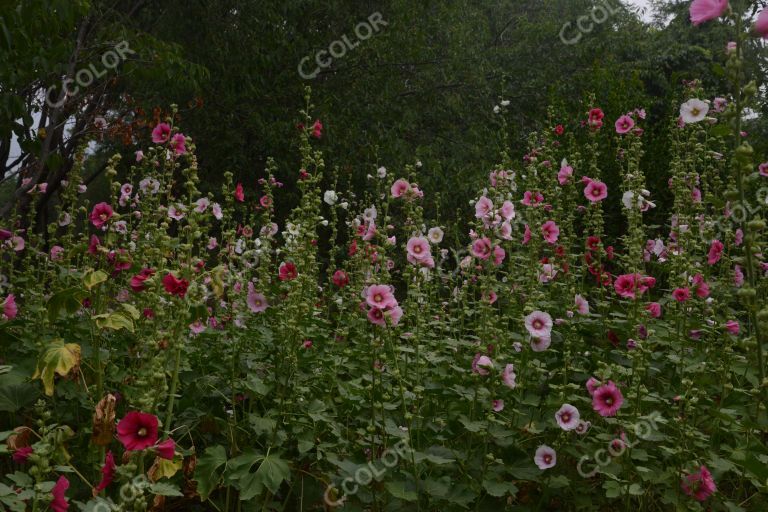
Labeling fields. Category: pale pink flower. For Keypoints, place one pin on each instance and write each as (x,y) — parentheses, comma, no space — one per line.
(545,457)
(507,210)
(57,253)
(508,376)
(592,385)
(380,296)
(202,204)
(706,10)
(540,343)
(483,208)
(738,276)
(582,306)
(394,315)
(257,302)
(418,248)
(565,174)
(481,364)
(400,187)
(497,405)
(567,417)
(715,252)
(481,248)
(539,324)
(217,212)
(498,255)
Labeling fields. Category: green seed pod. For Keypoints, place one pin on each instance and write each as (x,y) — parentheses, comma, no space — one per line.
(756,225)
(732,194)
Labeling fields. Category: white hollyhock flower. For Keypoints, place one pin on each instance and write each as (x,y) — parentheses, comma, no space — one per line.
(694,110)
(330,197)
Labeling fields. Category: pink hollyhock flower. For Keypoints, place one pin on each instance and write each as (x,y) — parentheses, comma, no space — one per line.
(394,315)
(738,276)
(481,248)
(380,296)
(545,457)
(592,385)
(498,255)
(654,308)
(10,309)
(733,327)
(527,234)
(548,273)
(607,399)
(483,208)
(539,324)
(175,286)
(217,212)
(137,431)
(507,210)
(481,364)
(505,231)
(705,10)
(624,124)
(59,502)
(239,194)
(681,294)
(139,156)
(161,133)
(287,271)
(596,116)
(582,427)
(256,301)
(595,191)
(715,252)
(532,198)
(699,485)
(400,188)
(567,417)
(701,286)
(550,231)
(497,405)
(565,174)
(179,144)
(101,214)
(166,450)
(540,343)
(738,238)
(197,327)
(376,316)
(761,24)
(763,167)
(508,376)
(21,455)
(137,281)
(626,286)
(418,248)
(582,306)
(108,471)
(317,129)
(202,204)
(340,278)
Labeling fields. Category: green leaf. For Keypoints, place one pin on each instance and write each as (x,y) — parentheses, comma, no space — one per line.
(499,489)
(398,490)
(165,489)
(114,321)
(272,472)
(207,474)
(69,300)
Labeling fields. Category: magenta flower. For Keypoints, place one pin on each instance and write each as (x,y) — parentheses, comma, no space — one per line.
(565,174)
(166,449)
(550,231)
(59,502)
(706,10)
(239,193)
(715,252)
(699,485)
(624,124)
(681,294)
(108,471)
(101,214)
(498,255)
(161,133)
(654,308)
(380,296)
(545,457)
(481,248)
(287,271)
(733,327)
(592,385)
(761,24)
(763,167)
(596,116)
(376,316)
(607,399)
(582,306)
(179,144)
(567,417)
(10,309)
(21,455)
(596,191)
(137,430)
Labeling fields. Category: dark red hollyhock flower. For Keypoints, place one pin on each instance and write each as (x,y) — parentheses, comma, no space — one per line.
(559,129)
(22,454)
(5,235)
(596,116)
(108,471)
(288,271)
(137,281)
(119,260)
(101,214)
(613,338)
(137,430)
(93,246)
(59,503)
(353,248)
(340,278)
(317,129)
(148,313)
(303,174)
(239,194)
(175,286)
(592,242)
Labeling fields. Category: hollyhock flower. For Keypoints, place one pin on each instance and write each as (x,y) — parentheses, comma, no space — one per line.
(592,385)
(565,174)
(59,502)
(202,204)
(505,231)
(399,188)
(545,457)
(418,248)
(491,297)
(137,281)
(738,238)
(540,343)
(497,405)
(108,471)
(139,156)
(654,308)
(693,111)
(596,116)
(761,24)
(624,124)
(532,198)
(626,286)
(435,235)
(550,231)
(376,317)
(733,327)
(483,208)
(161,133)
(317,129)
(287,271)
(176,212)
(507,210)
(10,309)
(715,252)
(548,273)
(21,455)
(394,315)
(763,169)
(681,294)
(607,399)
(738,276)
(239,194)
(256,301)
(567,417)
(498,255)
(179,143)
(481,248)
(559,129)
(197,327)
(101,214)
(175,286)
(719,104)
(340,278)
(699,485)
(217,212)
(508,376)
(380,296)
(701,286)
(595,191)
(539,324)
(582,306)
(166,449)
(137,431)
(527,234)
(706,10)
(481,364)
(582,427)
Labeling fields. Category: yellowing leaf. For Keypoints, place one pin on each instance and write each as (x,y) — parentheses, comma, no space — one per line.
(114,321)
(59,358)
(94,278)
(163,468)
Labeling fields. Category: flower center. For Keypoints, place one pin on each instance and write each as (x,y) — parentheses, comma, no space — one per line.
(378,297)
(695,111)
(565,417)
(142,432)
(537,324)
(609,401)
(547,458)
